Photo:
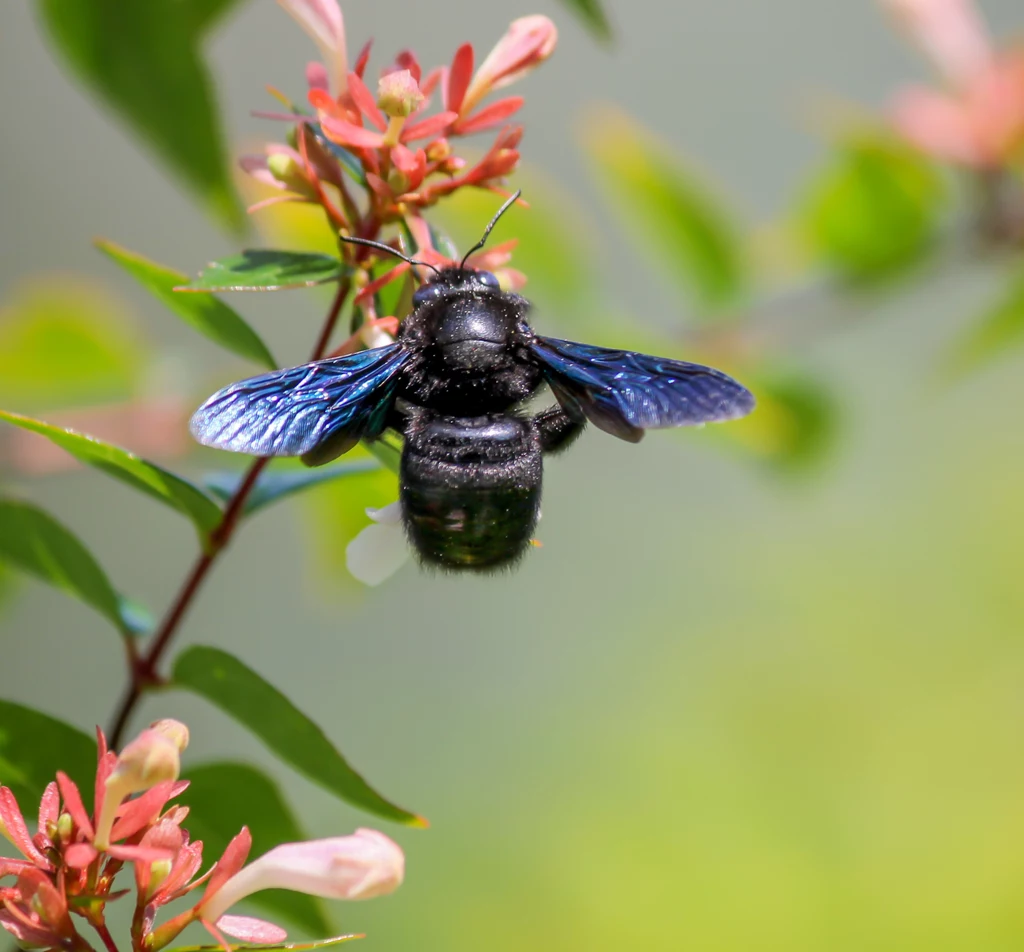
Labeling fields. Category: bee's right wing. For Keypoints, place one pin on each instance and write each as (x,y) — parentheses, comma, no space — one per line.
(625,393)
(316,411)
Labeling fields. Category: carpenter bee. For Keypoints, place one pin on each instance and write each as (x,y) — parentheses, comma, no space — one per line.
(454,384)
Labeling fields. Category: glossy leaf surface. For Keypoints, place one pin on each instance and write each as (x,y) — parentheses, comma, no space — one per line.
(204,312)
(34,542)
(147,477)
(144,61)
(266,270)
(239,691)
(34,746)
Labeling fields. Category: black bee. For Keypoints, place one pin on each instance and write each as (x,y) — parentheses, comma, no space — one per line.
(453,384)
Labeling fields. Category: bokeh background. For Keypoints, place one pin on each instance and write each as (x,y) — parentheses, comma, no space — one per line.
(720,709)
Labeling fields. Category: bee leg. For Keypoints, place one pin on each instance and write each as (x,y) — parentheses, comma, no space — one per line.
(557,429)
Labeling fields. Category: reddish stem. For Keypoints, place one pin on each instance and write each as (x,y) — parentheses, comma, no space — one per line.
(144,670)
(108,939)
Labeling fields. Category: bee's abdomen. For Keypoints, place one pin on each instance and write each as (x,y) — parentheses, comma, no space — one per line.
(470,489)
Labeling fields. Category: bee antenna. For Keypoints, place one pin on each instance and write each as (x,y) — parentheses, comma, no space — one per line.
(490,227)
(380,246)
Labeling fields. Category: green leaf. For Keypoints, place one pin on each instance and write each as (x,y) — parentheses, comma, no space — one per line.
(874,210)
(143,59)
(795,424)
(206,14)
(222,797)
(34,746)
(149,478)
(265,270)
(274,485)
(64,341)
(670,209)
(1001,327)
(289,947)
(34,542)
(239,691)
(204,312)
(592,15)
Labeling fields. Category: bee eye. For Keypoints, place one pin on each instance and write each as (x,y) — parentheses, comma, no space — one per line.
(487,280)
(426,292)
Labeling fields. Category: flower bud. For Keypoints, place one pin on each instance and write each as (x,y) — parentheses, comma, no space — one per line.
(526,44)
(158,873)
(153,757)
(398,94)
(361,866)
(174,730)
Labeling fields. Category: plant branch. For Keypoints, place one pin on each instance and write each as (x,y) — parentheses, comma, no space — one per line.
(144,669)
(104,934)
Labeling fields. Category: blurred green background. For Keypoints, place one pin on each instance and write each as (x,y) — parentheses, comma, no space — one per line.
(720,709)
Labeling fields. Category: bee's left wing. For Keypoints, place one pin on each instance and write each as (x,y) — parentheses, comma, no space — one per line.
(317,411)
(625,393)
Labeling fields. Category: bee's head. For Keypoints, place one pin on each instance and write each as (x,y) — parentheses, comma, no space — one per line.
(452,282)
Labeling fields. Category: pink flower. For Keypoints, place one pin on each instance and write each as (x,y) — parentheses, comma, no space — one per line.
(527,43)
(36,913)
(364,865)
(979,121)
(340,126)
(323,21)
(951,33)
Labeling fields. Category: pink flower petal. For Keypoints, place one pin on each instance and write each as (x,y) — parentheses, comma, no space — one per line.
(407,60)
(49,806)
(347,133)
(383,281)
(362,59)
(190,858)
(458,77)
(428,127)
(526,44)
(80,855)
(490,116)
(249,929)
(323,21)
(17,830)
(316,76)
(950,32)
(73,804)
(230,863)
(938,125)
(12,867)
(365,102)
(140,812)
(275,200)
(139,854)
(324,103)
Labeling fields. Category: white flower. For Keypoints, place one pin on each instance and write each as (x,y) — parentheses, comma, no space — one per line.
(380,549)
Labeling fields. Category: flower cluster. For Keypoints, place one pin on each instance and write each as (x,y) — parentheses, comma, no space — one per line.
(68,867)
(374,158)
(978,120)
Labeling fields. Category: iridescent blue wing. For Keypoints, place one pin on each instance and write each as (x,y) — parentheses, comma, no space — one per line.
(625,393)
(316,411)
